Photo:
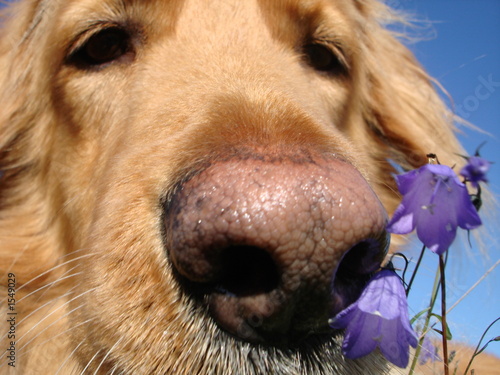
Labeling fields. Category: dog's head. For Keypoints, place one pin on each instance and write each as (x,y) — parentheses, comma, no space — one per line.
(203,183)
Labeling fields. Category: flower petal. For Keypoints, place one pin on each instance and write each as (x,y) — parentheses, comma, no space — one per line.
(360,338)
(439,169)
(428,352)
(382,295)
(467,217)
(343,318)
(394,345)
(437,237)
(434,202)
(406,182)
(402,221)
(378,318)
(475,170)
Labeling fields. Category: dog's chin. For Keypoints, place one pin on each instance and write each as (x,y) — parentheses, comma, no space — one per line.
(315,353)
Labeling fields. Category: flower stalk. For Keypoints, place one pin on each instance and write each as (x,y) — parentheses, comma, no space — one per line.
(443,315)
(414,274)
(478,351)
(435,290)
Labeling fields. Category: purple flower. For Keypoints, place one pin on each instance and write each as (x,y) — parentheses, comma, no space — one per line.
(475,170)
(435,202)
(429,352)
(379,318)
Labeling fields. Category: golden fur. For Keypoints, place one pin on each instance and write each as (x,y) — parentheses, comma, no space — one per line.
(87,154)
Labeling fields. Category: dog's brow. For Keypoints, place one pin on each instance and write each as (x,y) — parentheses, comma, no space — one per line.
(292,21)
(78,18)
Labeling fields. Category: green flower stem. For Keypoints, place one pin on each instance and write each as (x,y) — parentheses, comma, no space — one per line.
(477,351)
(444,328)
(415,271)
(435,290)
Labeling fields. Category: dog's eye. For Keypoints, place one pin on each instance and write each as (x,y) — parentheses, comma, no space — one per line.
(322,58)
(103,47)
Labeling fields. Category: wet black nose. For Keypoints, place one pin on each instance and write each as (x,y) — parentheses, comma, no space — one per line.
(276,245)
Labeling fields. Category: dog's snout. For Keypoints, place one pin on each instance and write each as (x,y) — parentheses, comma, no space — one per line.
(276,245)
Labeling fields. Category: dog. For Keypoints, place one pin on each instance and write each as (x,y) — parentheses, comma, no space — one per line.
(195,187)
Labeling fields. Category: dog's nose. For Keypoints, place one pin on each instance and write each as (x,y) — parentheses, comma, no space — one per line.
(276,245)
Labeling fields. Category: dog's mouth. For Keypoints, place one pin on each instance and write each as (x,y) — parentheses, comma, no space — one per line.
(271,251)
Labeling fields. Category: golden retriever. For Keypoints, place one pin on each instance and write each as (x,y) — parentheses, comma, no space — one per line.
(194,187)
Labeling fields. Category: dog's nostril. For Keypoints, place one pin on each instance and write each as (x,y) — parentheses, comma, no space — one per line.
(247,270)
(355,269)
(362,259)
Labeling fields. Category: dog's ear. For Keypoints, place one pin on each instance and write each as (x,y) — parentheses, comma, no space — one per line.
(25,92)
(22,91)
(401,102)
(24,138)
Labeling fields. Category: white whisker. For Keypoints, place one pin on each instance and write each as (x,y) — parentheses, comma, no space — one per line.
(68,357)
(474,286)
(56,267)
(34,311)
(55,336)
(49,285)
(51,313)
(89,362)
(107,354)
(46,304)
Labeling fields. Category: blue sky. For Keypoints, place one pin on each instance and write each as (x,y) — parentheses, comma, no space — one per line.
(461,49)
